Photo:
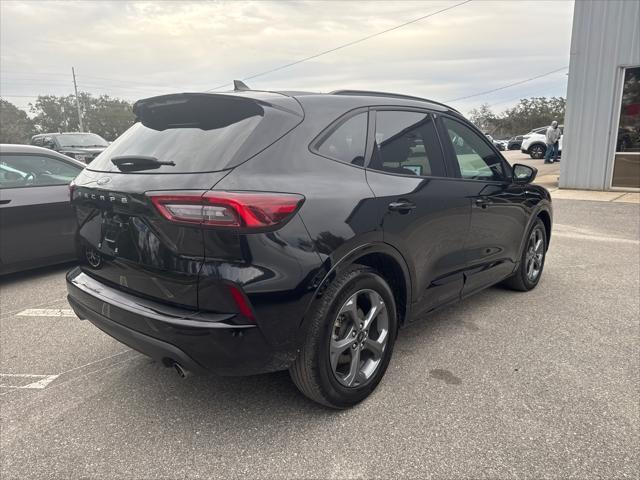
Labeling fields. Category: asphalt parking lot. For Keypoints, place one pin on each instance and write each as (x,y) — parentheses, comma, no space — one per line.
(505,385)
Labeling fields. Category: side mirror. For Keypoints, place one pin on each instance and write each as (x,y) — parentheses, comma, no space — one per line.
(523,173)
(48,143)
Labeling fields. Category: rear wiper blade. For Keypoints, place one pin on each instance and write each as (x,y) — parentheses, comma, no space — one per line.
(133,163)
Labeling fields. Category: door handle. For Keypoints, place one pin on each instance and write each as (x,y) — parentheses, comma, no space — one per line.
(402,206)
(4,202)
(483,202)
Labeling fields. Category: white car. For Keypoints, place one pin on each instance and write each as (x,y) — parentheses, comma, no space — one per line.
(496,143)
(534,143)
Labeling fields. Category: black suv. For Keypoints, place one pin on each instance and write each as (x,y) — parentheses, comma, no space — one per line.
(84,147)
(252,231)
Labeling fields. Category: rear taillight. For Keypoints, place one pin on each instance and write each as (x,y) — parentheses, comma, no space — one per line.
(72,187)
(252,210)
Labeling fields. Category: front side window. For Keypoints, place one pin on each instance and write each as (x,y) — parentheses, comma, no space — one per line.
(35,171)
(347,141)
(406,143)
(477,161)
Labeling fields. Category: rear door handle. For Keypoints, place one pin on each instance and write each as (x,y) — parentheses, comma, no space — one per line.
(4,202)
(402,206)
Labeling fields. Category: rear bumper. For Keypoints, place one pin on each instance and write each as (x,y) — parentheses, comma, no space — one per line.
(198,341)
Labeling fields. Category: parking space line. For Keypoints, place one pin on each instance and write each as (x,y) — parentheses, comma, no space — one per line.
(9,313)
(42,382)
(45,380)
(46,312)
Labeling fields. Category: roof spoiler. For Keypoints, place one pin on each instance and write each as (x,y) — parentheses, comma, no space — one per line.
(206,111)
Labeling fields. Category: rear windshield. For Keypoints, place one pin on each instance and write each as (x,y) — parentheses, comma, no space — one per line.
(199,133)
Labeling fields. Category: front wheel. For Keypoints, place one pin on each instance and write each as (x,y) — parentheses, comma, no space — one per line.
(532,261)
(349,341)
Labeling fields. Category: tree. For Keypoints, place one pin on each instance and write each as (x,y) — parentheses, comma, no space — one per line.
(15,125)
(528,114)
(483,118)
(106,116)
(532,113)
(55,114)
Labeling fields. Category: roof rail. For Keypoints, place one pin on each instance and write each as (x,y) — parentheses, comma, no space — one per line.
(372,93)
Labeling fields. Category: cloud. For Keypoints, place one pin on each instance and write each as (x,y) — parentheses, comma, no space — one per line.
(137,49)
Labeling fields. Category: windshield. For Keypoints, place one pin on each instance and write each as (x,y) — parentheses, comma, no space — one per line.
(81,140)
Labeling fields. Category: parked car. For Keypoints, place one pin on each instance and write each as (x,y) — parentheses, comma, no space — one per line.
(496,143)
(37,221)
(258,231)
(84,147)
(534,143)
(514,143)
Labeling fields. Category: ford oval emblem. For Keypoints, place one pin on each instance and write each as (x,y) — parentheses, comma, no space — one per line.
(104,180)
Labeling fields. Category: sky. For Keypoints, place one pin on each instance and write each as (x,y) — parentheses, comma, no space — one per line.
(133,50)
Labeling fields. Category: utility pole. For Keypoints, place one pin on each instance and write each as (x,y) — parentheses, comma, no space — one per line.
(75,86)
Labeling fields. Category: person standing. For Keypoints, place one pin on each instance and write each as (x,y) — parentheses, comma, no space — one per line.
(552,139)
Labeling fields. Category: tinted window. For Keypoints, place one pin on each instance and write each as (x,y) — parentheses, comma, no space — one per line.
(35,171)
(346,141)
(81,140)
(406,143)
(199,132)
(476,159)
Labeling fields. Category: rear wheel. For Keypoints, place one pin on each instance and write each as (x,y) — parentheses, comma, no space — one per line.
(537,151)
(532,262)
(350,340)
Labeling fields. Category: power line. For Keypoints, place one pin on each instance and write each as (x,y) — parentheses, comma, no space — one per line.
(522,96)
(311,57)
(507,86)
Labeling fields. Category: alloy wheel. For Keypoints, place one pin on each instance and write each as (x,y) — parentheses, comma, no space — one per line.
(535,254)
(537,152)
(359,338)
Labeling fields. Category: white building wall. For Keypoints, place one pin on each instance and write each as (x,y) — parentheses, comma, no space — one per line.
(605,38)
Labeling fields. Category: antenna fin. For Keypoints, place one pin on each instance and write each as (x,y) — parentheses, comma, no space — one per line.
(239,85)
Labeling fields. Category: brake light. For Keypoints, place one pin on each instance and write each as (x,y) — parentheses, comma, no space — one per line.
(253,210)
(72,187)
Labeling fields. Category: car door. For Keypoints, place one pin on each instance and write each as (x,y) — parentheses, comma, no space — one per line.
(36,218)
(498,206)
(422,212)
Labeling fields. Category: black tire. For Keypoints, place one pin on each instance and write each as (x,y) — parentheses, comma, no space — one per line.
(537,151)
(521,280)
(312,371)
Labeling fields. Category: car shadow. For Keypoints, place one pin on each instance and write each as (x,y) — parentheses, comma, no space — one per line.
(274,396)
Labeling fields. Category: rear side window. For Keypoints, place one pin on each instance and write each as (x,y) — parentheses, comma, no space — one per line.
(35,171)
(200,132)
(406,143)
(346,141)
